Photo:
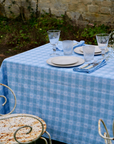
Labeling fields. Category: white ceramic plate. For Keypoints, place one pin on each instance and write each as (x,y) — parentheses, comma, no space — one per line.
(64,60)
(78,51)
(97,49)
(79,62)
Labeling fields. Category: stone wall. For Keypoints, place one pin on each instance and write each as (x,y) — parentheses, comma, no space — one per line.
(80,11)
(19,6)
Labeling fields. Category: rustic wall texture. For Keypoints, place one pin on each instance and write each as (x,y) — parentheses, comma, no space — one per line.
(80,11)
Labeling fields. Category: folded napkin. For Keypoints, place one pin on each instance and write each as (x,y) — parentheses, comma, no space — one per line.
(103,63)
(81,43)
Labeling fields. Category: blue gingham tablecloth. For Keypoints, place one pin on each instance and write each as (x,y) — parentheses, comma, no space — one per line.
(71,103)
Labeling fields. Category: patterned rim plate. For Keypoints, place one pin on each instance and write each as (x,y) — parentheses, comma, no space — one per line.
(78,51)
(64,60)
(80,61)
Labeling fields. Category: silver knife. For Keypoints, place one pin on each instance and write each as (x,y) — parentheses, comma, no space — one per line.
(95,64)
(85,66)
(88,65)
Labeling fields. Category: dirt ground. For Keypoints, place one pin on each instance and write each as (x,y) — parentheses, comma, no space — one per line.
(4,54)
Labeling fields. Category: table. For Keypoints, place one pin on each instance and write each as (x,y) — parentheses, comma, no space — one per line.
(71,103)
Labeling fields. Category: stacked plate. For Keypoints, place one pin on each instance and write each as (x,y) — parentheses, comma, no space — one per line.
(79,50)
(65,61)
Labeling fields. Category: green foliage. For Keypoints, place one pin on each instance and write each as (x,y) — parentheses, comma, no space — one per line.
(90,32)
(24,36)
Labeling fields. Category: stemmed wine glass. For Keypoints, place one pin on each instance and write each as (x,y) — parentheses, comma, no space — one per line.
(102,41)
(54,38)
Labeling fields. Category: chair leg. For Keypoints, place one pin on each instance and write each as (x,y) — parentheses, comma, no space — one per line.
(105,139)
(49,137)
(44,140)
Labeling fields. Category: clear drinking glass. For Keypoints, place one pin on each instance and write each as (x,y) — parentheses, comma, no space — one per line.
(67,47)
(54,38)
(102,41)
(88,53)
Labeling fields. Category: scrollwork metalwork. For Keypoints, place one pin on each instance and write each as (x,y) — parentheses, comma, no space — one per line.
(6,99)
(106,135)
(7,116)
(29,127)
(25,115)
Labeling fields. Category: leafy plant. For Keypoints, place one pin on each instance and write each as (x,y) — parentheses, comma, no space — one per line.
(19,37)
(90,32)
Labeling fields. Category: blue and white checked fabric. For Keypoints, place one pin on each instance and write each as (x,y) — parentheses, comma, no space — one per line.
(71,103)
(2,100)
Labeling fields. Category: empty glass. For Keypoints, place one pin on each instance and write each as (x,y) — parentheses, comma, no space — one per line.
(88,53)
(67,47)
(102,40)
(54,38)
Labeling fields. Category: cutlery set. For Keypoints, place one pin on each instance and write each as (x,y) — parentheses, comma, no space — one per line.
(90,65)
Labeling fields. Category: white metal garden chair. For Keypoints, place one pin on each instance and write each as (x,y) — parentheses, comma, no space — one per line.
(21,128)
(106,135)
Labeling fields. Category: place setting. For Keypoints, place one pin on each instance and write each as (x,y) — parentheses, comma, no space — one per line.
(66,60)
(89,54)
(87,64)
